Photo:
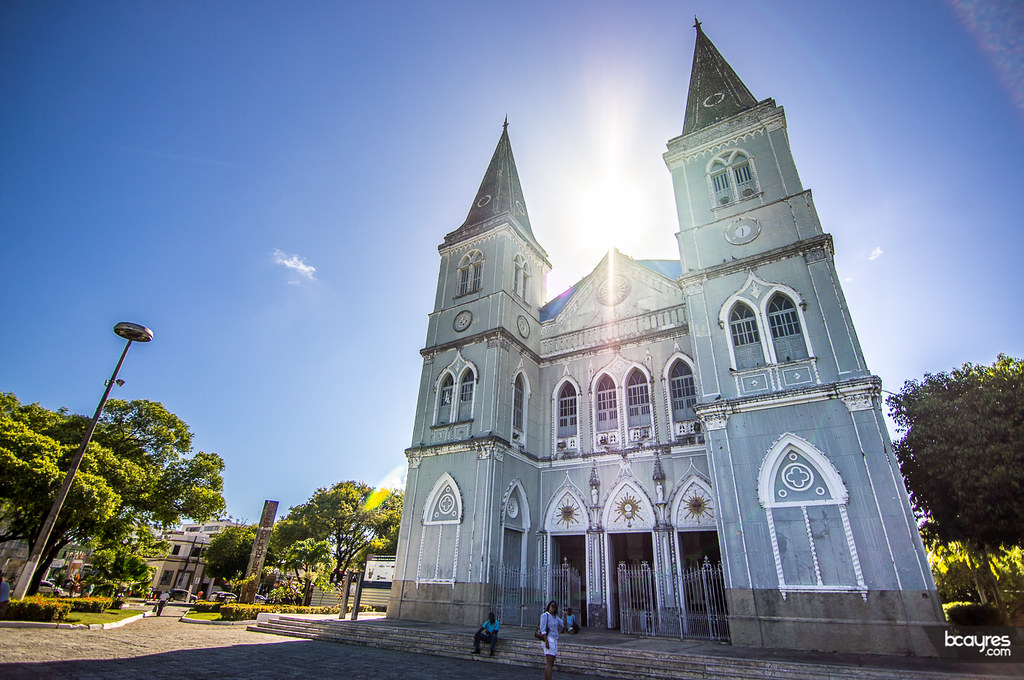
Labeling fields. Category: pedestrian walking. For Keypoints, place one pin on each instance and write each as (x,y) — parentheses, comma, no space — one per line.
(5,595)
(547,631)
(162,602)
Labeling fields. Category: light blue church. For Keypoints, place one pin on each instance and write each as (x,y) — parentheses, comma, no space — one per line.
(689,447)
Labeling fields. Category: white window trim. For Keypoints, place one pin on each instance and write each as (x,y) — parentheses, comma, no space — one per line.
(798,303)
(526,407)
(728,159)
(667,377)
(555,410)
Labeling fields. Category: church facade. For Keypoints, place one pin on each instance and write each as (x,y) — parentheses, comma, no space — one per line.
(698,443)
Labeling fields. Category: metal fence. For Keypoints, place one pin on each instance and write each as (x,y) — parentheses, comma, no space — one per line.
(518,595)
(695,609)
(703,600)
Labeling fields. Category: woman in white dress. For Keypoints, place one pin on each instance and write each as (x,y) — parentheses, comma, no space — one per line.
(548,628)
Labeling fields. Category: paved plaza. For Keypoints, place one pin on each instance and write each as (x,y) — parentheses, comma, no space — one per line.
(166,649)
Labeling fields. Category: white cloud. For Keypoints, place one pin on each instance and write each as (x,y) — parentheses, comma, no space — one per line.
(849,279)
(296,264)
(876,253)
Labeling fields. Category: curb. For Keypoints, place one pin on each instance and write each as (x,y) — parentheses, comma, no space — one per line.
(185,619)
(74,626)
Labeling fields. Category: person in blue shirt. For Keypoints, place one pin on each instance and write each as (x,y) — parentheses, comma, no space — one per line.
(571,624)
(5,595)
(488,632)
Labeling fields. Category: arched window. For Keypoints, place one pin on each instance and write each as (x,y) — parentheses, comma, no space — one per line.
(471,270)
(567,410)
(466,395)
(732,177)
(785,326)
(607,405)
(518,403)
(746,340)
(682,390)
(520,283)
(444,400)
(638,400)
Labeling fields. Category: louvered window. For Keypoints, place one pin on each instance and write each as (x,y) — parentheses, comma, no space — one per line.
(567,411)
(518,397)
(784,322)
(607,406)
(683,391)
(638,400)
(444,404)
(746,341)
(466,396)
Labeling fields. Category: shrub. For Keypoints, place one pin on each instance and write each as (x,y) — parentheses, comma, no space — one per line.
(247,612)
(206,606)
(93,605)
(973,614)
(38,609)
(117,602)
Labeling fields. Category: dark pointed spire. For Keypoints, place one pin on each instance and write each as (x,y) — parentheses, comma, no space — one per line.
(500,193)
(716,92)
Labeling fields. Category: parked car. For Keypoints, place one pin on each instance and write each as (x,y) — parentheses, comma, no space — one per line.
(182,595)
(223,596)
(47,588)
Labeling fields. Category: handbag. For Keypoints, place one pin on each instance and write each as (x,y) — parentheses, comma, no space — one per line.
(539,635)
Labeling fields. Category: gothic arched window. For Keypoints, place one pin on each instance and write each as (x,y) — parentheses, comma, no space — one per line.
(607,405)
(784,323)
(732,177)
(567,410)
(518,403)
(466,395)
(520,283)
(444,400)
(471,269)
(682,390)
(638,400)
(746,339)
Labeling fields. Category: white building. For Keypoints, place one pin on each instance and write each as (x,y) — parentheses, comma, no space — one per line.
(662,418)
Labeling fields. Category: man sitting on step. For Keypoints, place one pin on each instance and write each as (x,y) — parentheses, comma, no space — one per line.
(488,632)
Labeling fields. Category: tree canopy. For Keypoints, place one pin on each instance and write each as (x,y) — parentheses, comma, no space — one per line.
(351,516)
(227,556)
(962,452)
(139,470)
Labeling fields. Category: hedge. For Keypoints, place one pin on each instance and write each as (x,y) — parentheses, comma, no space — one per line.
(37,608)
(206,606)
(973,614)
(93,605)
(248,612)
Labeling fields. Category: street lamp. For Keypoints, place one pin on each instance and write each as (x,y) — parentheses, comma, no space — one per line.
(132,332)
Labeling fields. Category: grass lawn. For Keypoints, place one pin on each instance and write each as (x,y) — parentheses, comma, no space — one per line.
(205,616)
(109,616)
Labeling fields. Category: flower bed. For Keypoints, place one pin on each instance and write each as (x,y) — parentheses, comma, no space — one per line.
(93,605)
(48,609)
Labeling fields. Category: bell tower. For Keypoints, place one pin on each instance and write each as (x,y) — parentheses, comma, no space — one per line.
(814,515)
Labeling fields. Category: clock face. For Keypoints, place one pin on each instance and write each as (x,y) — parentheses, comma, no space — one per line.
(524,326)
(462,320)
(742,231)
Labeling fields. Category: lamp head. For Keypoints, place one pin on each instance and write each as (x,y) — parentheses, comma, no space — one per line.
(133,331)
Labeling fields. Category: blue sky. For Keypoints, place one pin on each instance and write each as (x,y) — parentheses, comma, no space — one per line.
(265,186)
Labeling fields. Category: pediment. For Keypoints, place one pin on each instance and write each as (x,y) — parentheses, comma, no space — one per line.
(618,288)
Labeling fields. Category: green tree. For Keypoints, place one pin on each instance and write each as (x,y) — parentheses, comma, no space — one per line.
(311,561)
(227,556)
(962,454)
(352,517)
(138,471)
(121,570)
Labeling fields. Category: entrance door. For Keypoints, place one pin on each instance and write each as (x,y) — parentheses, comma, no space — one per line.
(512,548)
(571,551)
(633,550)
(702,586)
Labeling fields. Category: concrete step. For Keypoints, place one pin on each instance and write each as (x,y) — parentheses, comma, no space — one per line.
(576,657)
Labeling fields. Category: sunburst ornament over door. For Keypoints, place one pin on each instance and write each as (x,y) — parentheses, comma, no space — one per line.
(698,507)
(628,508)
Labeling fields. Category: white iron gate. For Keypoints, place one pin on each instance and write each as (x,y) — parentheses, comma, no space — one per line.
(638,607)
(703,610)
(518,595)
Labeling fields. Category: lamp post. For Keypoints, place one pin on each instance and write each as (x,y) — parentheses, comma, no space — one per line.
(132,332)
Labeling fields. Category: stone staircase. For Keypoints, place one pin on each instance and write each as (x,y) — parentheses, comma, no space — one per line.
(518,648)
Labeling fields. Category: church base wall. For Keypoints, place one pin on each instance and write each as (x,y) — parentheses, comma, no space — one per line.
(462,603)
(889,622)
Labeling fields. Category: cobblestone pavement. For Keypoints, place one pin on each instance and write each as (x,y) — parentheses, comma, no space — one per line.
(163,648)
